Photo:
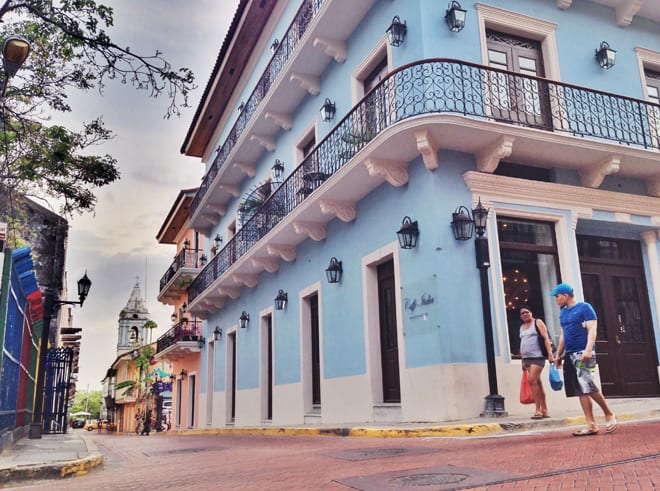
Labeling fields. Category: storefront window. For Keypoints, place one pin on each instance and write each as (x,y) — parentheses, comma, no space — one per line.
(530,270)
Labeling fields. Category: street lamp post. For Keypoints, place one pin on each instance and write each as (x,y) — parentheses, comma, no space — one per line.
(463,226)
(51,306)
(15,51)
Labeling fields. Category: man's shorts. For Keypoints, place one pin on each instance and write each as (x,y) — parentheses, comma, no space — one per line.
(579,375)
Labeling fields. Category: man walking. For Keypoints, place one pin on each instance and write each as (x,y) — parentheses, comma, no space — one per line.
(577,343)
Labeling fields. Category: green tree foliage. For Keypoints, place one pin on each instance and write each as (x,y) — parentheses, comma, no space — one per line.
(89,401)
(70,49)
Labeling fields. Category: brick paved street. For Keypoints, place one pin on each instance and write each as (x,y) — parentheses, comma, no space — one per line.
(552,459)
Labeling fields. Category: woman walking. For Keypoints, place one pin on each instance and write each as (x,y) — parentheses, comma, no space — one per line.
(534,334)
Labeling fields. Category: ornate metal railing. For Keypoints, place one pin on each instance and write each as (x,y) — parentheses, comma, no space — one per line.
(186,258)
(186,330)
(283,53)
(445,86)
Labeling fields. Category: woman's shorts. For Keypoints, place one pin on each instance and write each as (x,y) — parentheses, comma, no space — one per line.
(539,362)
(579,375)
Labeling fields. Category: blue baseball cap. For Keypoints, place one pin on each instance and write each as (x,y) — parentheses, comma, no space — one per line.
(562,288)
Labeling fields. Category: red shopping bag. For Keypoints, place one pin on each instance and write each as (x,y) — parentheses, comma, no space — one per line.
(526,396)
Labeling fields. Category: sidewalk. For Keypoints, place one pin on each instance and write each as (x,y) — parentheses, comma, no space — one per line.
(55,456)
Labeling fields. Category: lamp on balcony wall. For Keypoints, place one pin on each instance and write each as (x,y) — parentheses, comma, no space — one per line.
(408,233)
(455,16)
(396,33)
(462,223)
(244,320)
(334,271)
(217,333)
(281,300)
(605,56)
(217,242)
(203,260)
(173,317)
(186,244)
(184,307)
(183,374)
(241,106)
(275,45)
(277,171)
(327,110)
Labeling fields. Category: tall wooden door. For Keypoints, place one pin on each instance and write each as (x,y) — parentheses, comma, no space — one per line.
(389,347)
(625,344)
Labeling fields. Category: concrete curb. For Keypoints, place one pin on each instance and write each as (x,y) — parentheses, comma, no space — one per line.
(470,429)
(57,470)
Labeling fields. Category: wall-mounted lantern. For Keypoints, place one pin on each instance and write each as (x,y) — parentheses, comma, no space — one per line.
(327,110)
(274,45)
(244,320)
(408,233)
(455,16)
(203,260)
(462,223)
(217,333)
(183,374)
(217,242)
(396,33)
(186,244)
(334,271)
(281,300)
(605,56)
(277,171)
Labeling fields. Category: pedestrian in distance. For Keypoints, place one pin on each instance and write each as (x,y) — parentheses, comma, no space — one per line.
(146,428)
(535,348)
(577,344)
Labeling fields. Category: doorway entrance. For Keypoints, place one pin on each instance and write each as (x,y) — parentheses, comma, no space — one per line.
(614,283)
(389,347)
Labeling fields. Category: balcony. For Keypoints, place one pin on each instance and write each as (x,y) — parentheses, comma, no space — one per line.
(181,340)
(418,109)
(292,73)
(187,263)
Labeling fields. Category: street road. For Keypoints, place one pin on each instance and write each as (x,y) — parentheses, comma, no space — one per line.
(551,459)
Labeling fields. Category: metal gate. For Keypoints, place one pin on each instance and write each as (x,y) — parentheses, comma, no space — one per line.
(56,389)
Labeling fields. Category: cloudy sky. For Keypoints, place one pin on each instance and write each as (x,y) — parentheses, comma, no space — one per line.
(117,244)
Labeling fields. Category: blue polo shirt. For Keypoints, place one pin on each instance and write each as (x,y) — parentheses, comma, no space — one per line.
(572,322)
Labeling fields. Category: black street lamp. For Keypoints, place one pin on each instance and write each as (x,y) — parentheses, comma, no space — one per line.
(494,401)
(51,306)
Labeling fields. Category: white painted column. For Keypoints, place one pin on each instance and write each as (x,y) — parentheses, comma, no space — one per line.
(650,238)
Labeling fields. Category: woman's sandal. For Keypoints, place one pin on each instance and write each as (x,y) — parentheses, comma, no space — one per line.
(585,432)
(611,425)
(537,416)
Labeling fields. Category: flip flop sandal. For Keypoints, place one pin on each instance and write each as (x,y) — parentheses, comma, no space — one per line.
(585,432)
(546,415)
(537,416)
(611,426)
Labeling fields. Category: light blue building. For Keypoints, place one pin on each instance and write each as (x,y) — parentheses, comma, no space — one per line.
(330,125)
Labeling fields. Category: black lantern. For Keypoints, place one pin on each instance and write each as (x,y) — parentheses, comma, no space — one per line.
(334,271)
(217,242)
(244,319)
(327,110)
(217,333)
(480,216)
(462,223)
(84,284)
(408,233)
(203,260)
(455,16)
(183,373)
(186,244)
(277,170)
(241,106)
(605,56)
(396,33)
(281,299)
(275,45)
(173,317)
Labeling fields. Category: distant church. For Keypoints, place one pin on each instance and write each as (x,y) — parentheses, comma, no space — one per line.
(132,320)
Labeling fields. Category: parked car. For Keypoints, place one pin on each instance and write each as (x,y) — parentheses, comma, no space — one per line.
(94,425)
(78,423)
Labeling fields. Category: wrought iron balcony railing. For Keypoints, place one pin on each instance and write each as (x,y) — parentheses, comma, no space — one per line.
(287,44)
(186,258)
(443,86)
(186,330)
